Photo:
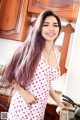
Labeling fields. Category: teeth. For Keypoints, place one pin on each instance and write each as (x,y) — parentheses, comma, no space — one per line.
(50,34)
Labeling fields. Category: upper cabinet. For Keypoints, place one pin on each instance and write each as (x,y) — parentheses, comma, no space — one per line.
(66,9)
(13,19)
(15,15)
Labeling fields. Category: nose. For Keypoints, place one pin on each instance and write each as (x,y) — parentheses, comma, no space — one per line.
(51,27)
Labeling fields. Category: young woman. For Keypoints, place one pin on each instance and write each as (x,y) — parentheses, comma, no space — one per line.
(32,68)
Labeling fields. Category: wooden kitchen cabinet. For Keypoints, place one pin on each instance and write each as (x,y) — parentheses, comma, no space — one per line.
(14,21)
(50,113)
(4,105)
(60,7)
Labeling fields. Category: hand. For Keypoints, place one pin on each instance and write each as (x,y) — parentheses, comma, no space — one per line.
(59,110)
(28,97)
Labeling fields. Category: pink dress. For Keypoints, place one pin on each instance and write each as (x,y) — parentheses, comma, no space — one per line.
(39,87)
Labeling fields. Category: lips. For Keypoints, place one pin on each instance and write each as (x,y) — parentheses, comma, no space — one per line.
(50,34)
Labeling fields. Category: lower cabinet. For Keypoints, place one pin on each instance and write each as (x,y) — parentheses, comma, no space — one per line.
(4,103)
(50,113)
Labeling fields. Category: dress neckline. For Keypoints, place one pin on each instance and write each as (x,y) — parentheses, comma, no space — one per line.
(42,58)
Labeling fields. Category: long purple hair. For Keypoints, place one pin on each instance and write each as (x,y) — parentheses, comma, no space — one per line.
(25,59)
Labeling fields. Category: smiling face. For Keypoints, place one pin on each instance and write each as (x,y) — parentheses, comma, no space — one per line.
(50,28)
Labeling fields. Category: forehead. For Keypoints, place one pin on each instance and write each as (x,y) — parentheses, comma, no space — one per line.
(51,19)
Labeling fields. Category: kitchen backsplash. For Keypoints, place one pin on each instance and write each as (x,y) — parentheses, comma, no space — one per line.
(7,48)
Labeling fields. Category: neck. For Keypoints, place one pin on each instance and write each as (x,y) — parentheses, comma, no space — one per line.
(48,46)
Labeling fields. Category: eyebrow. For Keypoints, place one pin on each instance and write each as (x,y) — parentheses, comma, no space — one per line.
(48,23)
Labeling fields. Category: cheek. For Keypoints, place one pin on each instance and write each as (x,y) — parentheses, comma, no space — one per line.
(43,31)
(57,30)
(43,35)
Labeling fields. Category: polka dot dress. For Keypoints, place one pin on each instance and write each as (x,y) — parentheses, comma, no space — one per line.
(39,87)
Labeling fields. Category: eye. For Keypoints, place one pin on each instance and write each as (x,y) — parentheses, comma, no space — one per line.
(45,25)
(56,25)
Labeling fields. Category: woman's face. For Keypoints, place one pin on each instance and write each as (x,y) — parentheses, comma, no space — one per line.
(50,28)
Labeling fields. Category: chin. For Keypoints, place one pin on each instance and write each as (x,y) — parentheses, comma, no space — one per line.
(49,40)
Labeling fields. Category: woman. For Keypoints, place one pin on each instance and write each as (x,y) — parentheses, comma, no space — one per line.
(30,72)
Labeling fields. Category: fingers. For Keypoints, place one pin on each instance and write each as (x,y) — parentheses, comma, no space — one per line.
(36,99)
(58,110)
(33,102)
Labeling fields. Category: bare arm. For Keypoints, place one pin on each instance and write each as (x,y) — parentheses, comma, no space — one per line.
(27,96)
(56,99)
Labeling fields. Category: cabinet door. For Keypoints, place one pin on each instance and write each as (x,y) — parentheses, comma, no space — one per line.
(50,113)
(13,18)
(4,103)
(64,9)
(10,12)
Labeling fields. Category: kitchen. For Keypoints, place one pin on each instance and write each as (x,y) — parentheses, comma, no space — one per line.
(15,21)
